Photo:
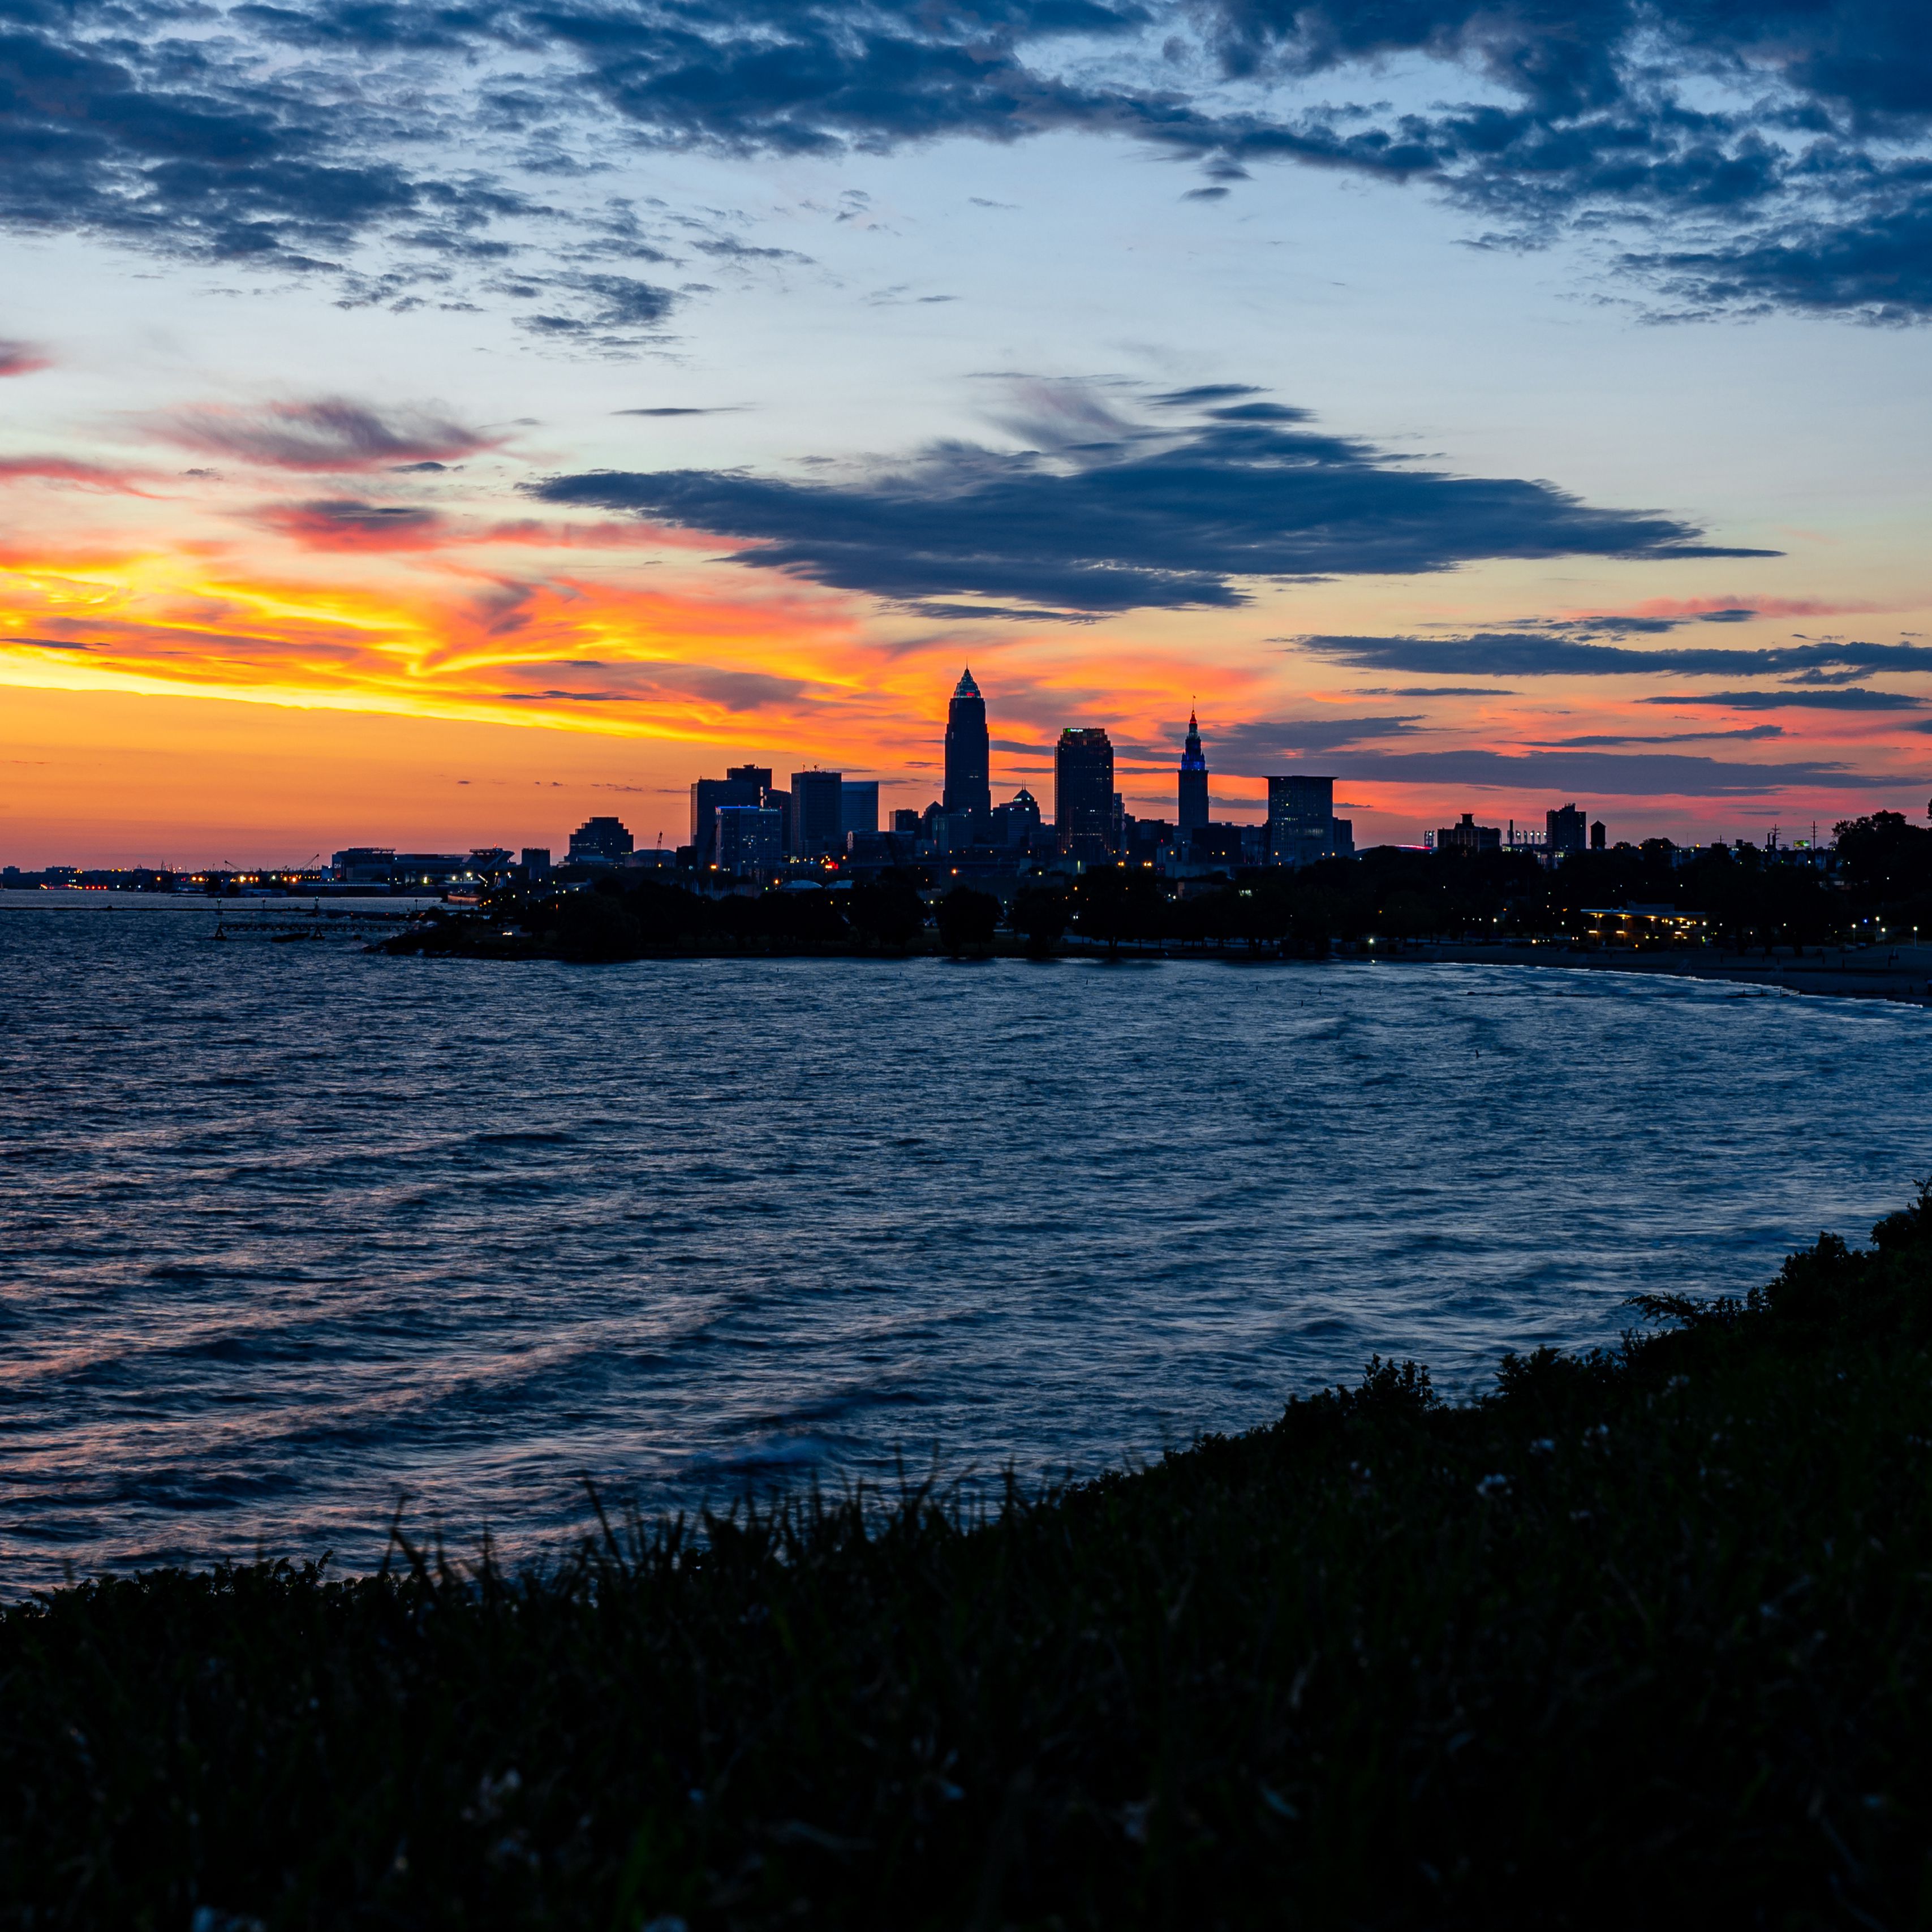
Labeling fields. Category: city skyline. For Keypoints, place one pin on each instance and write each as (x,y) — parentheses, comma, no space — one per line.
(396,414)
(963,787)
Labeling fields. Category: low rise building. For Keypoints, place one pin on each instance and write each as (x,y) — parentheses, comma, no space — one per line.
(1466,835)
(600,841)
(363,864)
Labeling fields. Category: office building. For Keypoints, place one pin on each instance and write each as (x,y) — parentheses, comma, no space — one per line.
(1569,830)
(858,807)
(1015,822)
(1301,818)
(1343,841)
(1143,840)
(432,871)
(1212,844)
(908,823)
(968,753)
(952,832)
(817,802)
(742,784)
(364,865)
(536,863)
(600,841)
(875,851)
(1468,836)
(751,839)
(1193,802)
(1083,794)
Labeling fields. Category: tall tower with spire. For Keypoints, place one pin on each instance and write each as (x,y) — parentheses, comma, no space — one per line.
(969,787)
(1193,804)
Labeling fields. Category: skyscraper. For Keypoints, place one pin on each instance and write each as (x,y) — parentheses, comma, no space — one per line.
(751,839)
(1301,827)
(1083,794)
(858,807)
(1569,830)
(1193,810)
(968,755)
(742,784)
(817,801)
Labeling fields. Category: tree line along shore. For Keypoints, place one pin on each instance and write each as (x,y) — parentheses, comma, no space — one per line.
(1881,890)
(1641,1633)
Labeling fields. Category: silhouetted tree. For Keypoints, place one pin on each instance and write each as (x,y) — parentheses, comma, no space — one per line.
(886,911)
(1885,861)
(592,926)
(1040,912)
(966,919)
(1114,902)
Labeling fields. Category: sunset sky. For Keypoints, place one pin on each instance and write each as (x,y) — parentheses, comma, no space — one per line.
(427,425)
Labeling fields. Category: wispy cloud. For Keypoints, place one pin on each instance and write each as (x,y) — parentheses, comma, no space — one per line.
(331,434)
(22,358)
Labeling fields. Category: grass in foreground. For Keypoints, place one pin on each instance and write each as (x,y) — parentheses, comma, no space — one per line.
(1643,1635)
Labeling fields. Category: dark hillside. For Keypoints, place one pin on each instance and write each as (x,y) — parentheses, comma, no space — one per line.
(1646,1634)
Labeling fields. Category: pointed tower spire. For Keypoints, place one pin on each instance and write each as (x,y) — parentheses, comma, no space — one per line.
(1192,802)
(968,755)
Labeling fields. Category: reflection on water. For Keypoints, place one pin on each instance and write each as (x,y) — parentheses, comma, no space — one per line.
(289,1229)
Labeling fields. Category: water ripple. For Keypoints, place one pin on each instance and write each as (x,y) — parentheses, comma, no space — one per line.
(291,1231)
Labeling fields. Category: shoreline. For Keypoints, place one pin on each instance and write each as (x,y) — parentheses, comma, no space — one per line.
(1902,975)
(1638,1623)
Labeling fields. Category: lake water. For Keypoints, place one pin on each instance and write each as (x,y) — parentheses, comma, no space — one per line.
(288,1231)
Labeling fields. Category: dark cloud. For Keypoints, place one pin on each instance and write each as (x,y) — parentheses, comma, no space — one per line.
(1513,654)
(22,358)
(1251,750)
(671,413)
(1575,774)
(1770,155)
(332,434)
(194,147)
(1603,739)
(340,523)
(736,691)
(1001,613)
(613,311)
(1433,691)
(1203,394)
(559,696)
(1873,260)
(1842,699)
(1104,513)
